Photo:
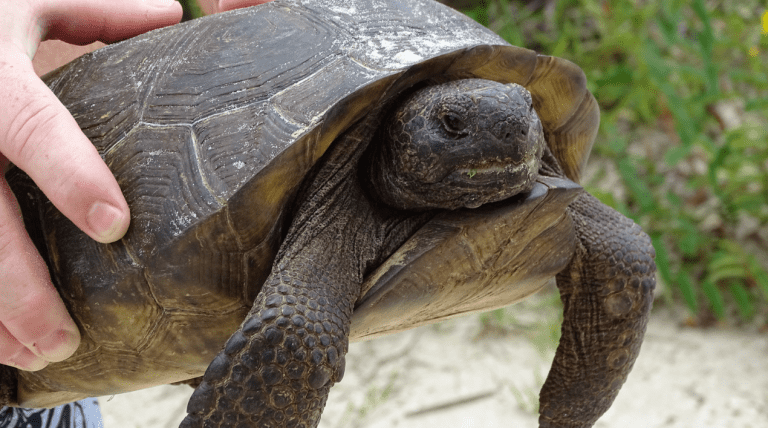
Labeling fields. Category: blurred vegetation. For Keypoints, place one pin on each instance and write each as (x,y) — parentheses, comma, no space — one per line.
(191,9)
(683,141)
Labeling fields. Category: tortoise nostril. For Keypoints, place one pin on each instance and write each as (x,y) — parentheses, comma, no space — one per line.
(510,134)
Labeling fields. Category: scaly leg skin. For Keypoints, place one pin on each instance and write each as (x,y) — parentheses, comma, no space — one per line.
(607,292)
(277,369)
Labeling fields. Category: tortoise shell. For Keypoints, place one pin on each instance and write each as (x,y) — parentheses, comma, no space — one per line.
(210,126)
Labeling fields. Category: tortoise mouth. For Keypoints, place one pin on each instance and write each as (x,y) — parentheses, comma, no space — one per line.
(485,173)
(487,183)
(506,172)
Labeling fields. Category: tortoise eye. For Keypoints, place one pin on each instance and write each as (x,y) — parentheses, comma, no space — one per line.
(453,123)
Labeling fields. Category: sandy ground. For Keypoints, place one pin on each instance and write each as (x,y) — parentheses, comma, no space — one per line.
(463,374)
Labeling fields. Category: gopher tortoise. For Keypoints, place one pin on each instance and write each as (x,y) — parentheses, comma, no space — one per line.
(309,172)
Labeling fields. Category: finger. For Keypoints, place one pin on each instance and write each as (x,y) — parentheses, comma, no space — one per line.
(38,134)
(31,310)
(14,354)
(52,54)
(216,6)
(86,21)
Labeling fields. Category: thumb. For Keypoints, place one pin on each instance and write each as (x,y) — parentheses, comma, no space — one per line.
(85,21)
(38,135)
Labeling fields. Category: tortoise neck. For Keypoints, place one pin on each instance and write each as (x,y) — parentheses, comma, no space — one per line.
(337,227)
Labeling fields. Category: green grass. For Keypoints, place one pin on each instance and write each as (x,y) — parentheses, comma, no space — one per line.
(375,396)
(668,155)
(191,9)
(537,318)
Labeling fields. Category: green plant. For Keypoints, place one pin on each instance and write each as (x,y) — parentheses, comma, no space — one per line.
(537,318)
(683,91)
(374,397)
(527,396)
(191,9)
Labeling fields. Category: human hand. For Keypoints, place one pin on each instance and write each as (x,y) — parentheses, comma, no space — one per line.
(216,6)
(52,54)
(38,135)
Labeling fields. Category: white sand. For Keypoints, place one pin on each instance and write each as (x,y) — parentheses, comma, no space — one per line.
(448,376)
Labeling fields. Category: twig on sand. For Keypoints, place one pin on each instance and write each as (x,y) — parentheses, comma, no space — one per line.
(453,403)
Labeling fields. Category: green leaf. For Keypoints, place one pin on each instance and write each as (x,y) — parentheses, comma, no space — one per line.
(479,13)
(759,274)
(715,297)
(743,300)
(561,47)
(730,272)
(662,259)
(604,197)
(191,10)
(760,104)
(620,75)
(724,260)
(707,42)
(616,142)
(689,238)
(717,163)
(674,199)
(676,153)
(685,284)
(636,185)
(668,26)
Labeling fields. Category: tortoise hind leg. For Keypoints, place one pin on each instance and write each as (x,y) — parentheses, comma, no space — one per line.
(607,292)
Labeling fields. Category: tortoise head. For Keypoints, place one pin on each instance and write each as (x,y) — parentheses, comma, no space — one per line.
(462,143)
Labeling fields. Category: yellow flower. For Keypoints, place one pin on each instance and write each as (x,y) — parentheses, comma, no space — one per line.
(753,51)
(765,22)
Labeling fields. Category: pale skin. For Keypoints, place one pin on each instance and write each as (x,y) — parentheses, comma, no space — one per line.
(38,135)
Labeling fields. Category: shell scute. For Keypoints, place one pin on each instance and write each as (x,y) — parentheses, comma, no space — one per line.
(220,75)
(158,172)
(561,98)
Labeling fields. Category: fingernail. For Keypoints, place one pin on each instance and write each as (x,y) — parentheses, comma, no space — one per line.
(28,361)
(106,222)
(161,2)
(58,345)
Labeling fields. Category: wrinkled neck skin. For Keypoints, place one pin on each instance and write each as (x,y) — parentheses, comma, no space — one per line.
(339,221)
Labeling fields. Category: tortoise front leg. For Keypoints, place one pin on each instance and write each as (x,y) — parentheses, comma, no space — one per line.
(607,292)
(277,369)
